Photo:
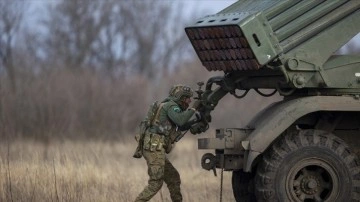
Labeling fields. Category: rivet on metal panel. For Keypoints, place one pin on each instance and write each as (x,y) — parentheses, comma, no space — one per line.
(299,80)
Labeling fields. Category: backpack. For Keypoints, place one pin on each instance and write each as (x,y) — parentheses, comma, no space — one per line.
(149,119)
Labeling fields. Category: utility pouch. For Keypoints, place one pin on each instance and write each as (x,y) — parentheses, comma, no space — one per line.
(161,143)
(147,141)
(153,147)
(157,142)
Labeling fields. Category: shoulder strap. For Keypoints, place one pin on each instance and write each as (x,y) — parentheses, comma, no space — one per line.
(155,120)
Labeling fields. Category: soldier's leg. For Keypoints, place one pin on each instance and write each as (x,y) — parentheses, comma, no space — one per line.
(156,163)
(172,180)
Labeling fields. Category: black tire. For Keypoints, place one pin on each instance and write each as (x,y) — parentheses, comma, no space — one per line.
(308,165)
(243,186)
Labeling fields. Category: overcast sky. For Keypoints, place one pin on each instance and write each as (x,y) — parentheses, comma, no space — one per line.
(212,6)
(207,7)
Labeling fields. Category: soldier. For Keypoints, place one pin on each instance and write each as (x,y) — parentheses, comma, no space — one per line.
(171,117)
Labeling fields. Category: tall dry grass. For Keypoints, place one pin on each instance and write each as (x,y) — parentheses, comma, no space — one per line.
(97,171)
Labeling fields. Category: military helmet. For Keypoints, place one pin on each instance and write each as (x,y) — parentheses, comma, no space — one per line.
(179,91)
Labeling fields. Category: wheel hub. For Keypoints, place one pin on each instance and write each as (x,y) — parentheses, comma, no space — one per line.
(309,185)
(312,180)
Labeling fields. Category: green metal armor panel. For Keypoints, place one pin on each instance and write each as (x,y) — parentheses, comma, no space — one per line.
(293,38)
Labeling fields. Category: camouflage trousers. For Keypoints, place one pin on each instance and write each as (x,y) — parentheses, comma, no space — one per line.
(160,170)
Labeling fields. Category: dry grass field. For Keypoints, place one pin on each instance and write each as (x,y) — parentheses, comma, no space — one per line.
(97,171)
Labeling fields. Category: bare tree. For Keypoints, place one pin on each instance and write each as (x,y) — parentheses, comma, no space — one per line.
(120,36)
(73,28)
(157,35)
(11,16)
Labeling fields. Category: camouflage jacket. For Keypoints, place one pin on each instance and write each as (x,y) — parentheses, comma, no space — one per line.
(172,118)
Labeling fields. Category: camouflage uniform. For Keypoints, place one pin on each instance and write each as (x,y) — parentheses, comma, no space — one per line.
(170,120)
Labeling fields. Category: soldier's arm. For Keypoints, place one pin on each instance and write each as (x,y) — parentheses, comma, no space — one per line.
(180,118)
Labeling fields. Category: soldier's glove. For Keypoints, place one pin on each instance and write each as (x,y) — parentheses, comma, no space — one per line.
(198,116)
(199,128)
(196,105)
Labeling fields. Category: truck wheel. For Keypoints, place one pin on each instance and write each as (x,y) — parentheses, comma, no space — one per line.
(308,165)
(243,187)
